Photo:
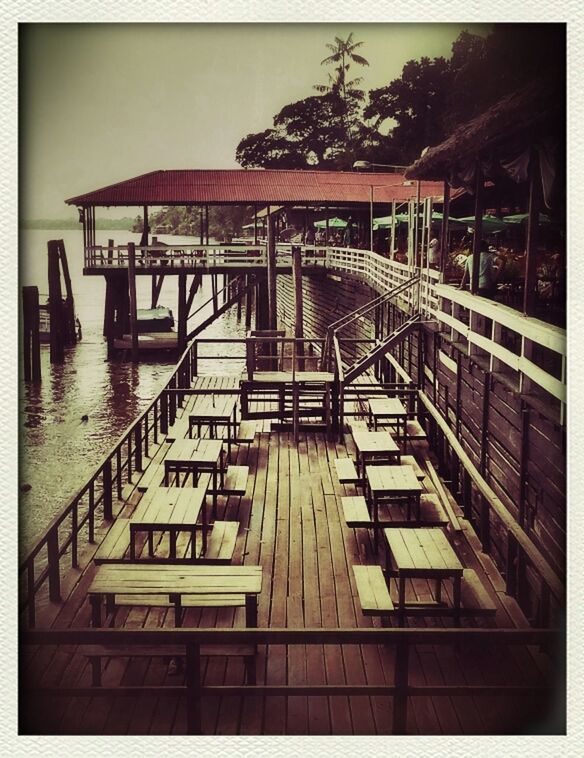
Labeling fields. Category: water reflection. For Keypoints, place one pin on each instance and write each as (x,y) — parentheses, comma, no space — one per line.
(58,450)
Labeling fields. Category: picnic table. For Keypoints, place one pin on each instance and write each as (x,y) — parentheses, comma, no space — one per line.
(208,415)
(173,583)
(374,447)
(195,457)
(172,509)
(424,553)
(389,409)
(397,481)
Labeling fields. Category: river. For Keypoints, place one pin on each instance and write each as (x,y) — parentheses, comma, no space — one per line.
(58,451)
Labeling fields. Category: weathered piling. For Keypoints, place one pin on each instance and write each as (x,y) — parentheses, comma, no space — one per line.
(57,352)
(133,302)
(30,334)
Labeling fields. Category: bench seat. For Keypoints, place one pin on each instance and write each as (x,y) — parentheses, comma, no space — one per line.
(373,592)
(235,480)
(179,430)
(153,476)
(346,471)
(355,511)
(358,425)
(474,597)
(115,543)
(414,430)
(246,432)
(409,460)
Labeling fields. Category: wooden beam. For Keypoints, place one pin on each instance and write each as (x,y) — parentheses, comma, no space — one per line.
(69,320)
(478,229)
(298,309)
(133,302)
(271,271)
(444,230)
(182,311)
(529,293)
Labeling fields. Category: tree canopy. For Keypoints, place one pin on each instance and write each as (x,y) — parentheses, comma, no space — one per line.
(394,123)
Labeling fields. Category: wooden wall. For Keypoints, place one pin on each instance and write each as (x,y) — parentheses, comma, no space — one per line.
(513,440)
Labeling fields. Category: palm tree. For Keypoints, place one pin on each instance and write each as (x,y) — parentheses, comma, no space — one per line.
(343,54)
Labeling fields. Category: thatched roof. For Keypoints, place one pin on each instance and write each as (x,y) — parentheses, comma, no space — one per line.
(533,111)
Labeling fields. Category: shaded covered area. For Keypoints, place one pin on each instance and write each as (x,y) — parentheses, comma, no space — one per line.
(511,159)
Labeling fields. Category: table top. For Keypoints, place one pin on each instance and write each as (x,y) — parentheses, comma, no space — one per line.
(170,505)
(375,442)
(168,579)
(423,552)
(197,450)
(222,411)
(393,479)
(387,406)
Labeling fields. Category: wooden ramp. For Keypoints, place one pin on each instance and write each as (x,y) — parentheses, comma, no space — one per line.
(292,523)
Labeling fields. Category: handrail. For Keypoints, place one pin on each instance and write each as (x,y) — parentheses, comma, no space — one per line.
(400,689)
(344,321)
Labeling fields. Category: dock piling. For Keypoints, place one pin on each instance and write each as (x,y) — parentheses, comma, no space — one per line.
(31,337)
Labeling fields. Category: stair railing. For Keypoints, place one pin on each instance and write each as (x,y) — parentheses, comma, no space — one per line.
(349,318)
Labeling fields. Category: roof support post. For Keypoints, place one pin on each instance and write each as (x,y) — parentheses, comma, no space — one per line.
(298,311)
(255,224)
(326,236)
(444,230)
(478,229)
(133,303)
(182,311)
(271,266)
(532,235)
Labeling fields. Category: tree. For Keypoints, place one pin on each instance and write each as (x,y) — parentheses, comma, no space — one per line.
(345,91)
(416,103)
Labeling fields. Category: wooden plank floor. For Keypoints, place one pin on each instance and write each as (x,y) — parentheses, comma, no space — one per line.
(291,523)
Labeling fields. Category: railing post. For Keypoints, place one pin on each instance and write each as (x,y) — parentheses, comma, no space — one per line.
(485,525)
(138,445)
(30,595)
(107,490)
(74,533)
(193,685)
(164,413)
(172,400)
(400,699)
(53,558)
(511,565)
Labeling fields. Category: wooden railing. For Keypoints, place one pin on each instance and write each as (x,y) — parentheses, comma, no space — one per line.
(521,550)
(400,690)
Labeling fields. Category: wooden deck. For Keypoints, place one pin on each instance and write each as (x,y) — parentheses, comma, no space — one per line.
(291,523)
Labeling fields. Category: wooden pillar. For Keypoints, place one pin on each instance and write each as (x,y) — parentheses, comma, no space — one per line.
(206,224)
(133,303)
(478,229)
(70,337)
(271,267)
(248,301)
(444,229)
(30,333)
(201,232)
(109,314)
(255,224)
(55,304)
(326,236)
(182,311)
(529,294)
(298,310)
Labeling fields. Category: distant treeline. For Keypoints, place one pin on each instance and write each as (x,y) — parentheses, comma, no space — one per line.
(125,223)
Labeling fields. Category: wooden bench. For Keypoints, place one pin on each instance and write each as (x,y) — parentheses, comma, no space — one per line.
(431,510)
(414,430)
(409,460)
(246,432)
(355,511)
(96,652)
(179,430)
(346,471)
(235,480)
(220,545)
(474,597)
(358,425)
(153,476)
(373,592)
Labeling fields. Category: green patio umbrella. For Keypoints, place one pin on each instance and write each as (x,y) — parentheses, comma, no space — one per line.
(334,223)
(520,218)
(384,222)
(490,224)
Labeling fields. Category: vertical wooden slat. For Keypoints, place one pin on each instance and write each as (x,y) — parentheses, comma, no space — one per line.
(529,294)
(107,490)
(74,534)
(400,700)
(133,302)
(271,273)
(138,445)
(193,685)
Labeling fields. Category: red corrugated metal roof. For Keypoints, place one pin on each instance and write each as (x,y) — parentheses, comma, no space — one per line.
(244,186)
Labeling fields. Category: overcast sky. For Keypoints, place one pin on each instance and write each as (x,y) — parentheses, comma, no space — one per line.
(100,103)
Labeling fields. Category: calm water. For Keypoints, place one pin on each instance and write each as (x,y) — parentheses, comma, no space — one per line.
(58,451)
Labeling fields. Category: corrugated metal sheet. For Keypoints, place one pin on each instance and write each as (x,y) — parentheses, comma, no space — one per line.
(243,186)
